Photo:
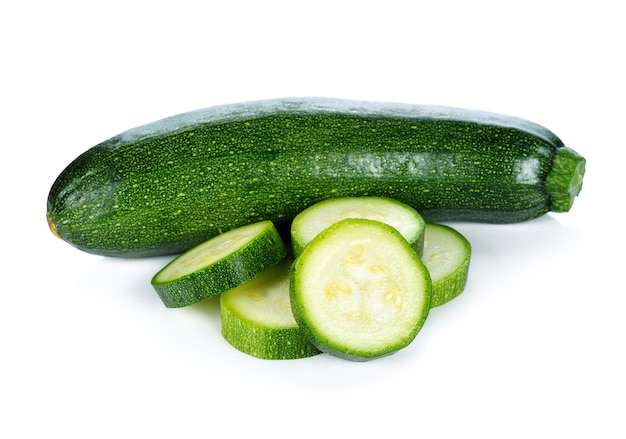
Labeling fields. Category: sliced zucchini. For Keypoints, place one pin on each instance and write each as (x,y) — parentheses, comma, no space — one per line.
(307,224)
(359,291)
(447,256)
(257,319)
(219,264)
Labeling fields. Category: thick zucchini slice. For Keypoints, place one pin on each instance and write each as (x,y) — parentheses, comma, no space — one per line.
(257,319)
(359,291)
(310,222)
(447,256)
(219,264)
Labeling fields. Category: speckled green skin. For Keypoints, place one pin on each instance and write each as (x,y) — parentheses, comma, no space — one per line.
(234,269)
(166,186)
(254,319)
(267,343)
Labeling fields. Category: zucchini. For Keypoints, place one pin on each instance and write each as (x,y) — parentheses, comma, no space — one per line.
(257,319)
(447,256)
(219,264)
(359,291)
(164,187)
(308,223)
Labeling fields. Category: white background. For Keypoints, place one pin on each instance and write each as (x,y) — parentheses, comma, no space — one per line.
(535,345)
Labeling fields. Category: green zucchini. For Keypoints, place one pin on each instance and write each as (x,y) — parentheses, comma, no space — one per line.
(163,187)
(311,221)
(257,319)
(219,264)
(447,256)
(359,291)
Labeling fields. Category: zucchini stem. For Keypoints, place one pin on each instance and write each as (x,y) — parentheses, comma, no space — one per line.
(565,180)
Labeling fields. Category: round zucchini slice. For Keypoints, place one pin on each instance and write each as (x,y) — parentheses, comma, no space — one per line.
(447,256)
(257,319)
(219,264)
(359,291)
(311,221)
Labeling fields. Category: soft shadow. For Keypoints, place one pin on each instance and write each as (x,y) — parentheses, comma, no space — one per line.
(209,307)
(130,277)
(539,235)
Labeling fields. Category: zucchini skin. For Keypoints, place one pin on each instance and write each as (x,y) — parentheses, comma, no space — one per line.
(164,187)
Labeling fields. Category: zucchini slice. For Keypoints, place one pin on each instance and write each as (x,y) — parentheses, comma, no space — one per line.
(359,291)
(257,319)
(307,224)
(219,264)
(447,256)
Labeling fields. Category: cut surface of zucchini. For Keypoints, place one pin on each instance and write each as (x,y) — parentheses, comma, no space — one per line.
(257,319)
(219,264)
(318,217)
(447,256)
(359,291)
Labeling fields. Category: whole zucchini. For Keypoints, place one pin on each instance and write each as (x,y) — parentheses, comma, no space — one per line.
(163,187)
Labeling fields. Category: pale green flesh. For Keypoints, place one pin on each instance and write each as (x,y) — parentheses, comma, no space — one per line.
(320,216)
(360,289)
(224,262)
(264,300)
(446,255)
(257,319)
(211,251)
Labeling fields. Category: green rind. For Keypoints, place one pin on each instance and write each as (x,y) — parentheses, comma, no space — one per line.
(298,242)
(446,288)
(169,185)
(234,269)
(265,343)
(301,312)
(258,338)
